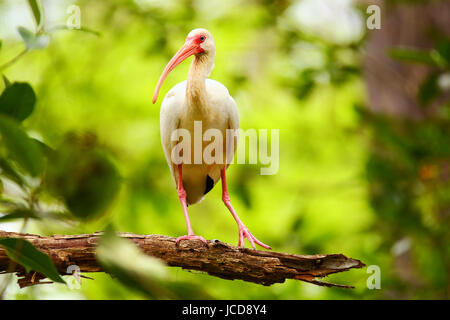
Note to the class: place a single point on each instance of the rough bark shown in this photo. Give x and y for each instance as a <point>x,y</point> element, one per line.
<point>217,259</point>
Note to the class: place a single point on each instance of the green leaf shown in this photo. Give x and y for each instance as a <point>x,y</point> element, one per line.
<point>7,204</point>
<point>20,147</point>
<point>33,41</point>
<point>429,89</point>
<point>9,172</point>
<point>18,100</point>
<point>1,44</point>
<point>34,5</point>
<point>6,82</point>
<point>27,36</point>
<point>89,30</point>
<point>24,253</point>
<point>82,29</point>
<point>443,48</point>
<point>411,55</point>
<point>17,214</point>
<point>84,176</point>
<point>46,149</point>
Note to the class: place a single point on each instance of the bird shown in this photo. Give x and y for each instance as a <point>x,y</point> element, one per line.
<point>199,99</point>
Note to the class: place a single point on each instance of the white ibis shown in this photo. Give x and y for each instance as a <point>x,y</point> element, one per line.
<point>208,101</point>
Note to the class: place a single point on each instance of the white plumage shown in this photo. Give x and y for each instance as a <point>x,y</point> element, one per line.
<point>222,115</point>
<point>207,101</point>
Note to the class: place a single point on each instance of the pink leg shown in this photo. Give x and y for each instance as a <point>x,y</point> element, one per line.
<point>182,197</point>
<point>243,230</point>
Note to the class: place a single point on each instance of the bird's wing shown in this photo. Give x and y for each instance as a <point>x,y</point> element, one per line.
<point>228,111</point>
<point>170,115</point>
<point>233,124</point>
<point>221,99</point>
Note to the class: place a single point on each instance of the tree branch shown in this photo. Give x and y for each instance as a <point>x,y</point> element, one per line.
<point>219,259</point>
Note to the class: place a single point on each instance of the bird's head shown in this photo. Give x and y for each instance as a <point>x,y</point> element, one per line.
<point>202,40</point>
<point>199,42</point>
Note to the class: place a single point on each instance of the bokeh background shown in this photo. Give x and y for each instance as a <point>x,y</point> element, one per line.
<point>364,120</point>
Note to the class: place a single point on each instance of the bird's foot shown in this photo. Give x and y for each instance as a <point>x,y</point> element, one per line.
<point>245,233</point>
<point>191,237</point>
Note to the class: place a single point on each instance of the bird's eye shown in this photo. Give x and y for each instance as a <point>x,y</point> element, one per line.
<point>202,38</point>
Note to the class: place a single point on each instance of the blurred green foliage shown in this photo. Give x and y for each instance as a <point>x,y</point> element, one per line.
<point>87,151</point>
<point>408,171</point>
<point>83,175</point>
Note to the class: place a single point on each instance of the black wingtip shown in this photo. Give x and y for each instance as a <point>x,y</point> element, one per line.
<point>209,184</point>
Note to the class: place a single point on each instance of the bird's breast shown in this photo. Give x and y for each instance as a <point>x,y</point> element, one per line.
<point>206,124</point>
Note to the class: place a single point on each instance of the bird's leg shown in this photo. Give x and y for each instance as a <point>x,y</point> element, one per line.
<point>182,197</point>
<point>243,230</point>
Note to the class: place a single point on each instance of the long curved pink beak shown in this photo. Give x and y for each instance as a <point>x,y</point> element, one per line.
<point>189,48</point>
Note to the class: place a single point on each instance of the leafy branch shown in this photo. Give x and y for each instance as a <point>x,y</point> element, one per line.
<point>41,37</point>
<point>437,59</point>
<point>35,169</point>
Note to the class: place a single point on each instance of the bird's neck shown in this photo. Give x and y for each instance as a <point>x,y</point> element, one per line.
<point>196,96</point>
